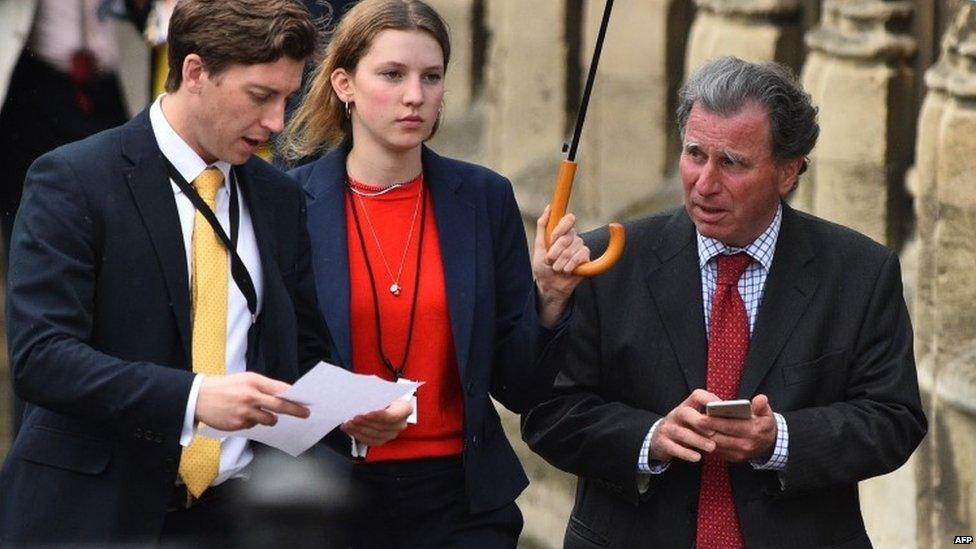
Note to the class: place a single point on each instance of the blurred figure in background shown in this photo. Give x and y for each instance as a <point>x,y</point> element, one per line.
<point>58,84</point>
<point>58,81</point>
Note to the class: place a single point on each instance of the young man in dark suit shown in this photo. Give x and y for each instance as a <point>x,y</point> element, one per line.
<point>160,277</point>
<point>735,296</point>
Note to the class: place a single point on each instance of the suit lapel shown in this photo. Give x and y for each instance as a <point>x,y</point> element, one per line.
<point>676,288</point>
<point>455,218</point>
<point>153,194</point>
<point>791,283</point>
<point>256,198</point>
<point>325,188</point>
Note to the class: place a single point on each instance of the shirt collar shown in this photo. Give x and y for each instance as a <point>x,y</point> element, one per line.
<point>186,161</point>
<point>761,249</point>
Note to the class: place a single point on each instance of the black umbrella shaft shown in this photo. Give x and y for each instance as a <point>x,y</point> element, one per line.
<point>588,89</point>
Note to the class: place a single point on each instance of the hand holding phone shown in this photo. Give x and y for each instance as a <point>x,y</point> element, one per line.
<point>734,409</point>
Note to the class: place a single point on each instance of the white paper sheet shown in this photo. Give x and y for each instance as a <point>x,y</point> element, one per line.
<point>333,395</point>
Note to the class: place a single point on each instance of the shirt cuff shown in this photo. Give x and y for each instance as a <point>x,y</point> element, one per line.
<point>777,461</point>
<point>359,449</point>
<point>645,464</point>
<point>189,425</point>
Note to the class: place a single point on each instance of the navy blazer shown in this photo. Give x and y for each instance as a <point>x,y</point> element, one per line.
<point>98,319</point>
<point>831,348</point>
<point>490,295</point>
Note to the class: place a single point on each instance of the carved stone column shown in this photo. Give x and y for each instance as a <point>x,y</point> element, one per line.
<point>458,14</point>
<point>526,95</point>
<point>945,189</point>
<point>860,76</point>
<point>755,30</point>
<point>629,142</point>
<point>922,185</point>
<point>460,135</point>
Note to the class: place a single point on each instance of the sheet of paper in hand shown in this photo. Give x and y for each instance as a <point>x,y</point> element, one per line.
<point>333,395</point>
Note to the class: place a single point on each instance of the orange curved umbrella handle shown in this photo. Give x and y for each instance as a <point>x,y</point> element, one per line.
<point>560,201</point>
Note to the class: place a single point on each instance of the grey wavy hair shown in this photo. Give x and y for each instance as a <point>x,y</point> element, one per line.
<point>727,84</point>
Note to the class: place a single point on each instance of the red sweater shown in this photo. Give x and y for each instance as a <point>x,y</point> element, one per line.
<point>440,411</point>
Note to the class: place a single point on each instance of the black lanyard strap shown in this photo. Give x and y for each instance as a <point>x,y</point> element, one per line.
<point>237,269</point>
<point>397,371</point>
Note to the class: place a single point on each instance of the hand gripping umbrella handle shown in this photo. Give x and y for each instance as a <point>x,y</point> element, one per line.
<point>567,171</point>
<point>560,200</point>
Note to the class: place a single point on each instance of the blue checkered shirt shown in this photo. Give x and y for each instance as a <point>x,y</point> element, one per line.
<point>751,286</point>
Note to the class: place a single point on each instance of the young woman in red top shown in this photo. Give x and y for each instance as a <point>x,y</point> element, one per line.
<point>423,273</point>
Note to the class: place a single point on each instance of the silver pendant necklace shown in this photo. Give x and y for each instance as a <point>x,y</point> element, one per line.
<point>395,287</point>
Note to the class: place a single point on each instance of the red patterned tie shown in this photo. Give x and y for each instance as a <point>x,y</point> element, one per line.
<point>728,343</point>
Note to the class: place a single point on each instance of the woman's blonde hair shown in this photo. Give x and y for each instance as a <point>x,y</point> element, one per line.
<point>320,122</point>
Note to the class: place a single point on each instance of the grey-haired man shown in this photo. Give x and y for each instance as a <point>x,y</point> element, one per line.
<point>735,296</point>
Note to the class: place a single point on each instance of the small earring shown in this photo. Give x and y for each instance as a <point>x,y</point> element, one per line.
<point>348,110</point>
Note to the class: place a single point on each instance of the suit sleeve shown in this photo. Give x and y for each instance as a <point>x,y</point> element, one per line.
<point>880,423</point>
<point>519,378</point>
<point>577,429</point>
<point>53,268</point>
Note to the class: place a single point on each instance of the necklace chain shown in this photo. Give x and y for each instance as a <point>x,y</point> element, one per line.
<point>381,192</point>
<point>395,287</point>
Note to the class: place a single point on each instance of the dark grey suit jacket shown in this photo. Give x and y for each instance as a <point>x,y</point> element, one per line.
<point>98,319</point>
<point>831,348</point>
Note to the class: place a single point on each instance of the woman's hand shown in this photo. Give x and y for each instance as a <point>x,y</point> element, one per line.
<point>379,426</point>
<point>553,268</point>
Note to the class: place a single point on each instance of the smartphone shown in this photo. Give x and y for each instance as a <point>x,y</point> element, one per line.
<point>736,409</point>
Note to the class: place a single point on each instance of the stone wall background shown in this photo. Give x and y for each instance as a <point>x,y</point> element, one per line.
<point>895,81</point>
<point>896,85</point>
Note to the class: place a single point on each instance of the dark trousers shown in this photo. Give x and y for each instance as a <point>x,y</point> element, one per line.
<point>209,522</point>
<point>421,503</point>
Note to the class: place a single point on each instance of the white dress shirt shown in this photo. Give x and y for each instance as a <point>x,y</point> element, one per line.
<point>234,452</point>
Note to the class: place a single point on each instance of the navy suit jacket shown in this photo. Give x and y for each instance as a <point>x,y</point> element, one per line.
<point>490,294</point>
<point>98,319</point>
<point>831,348</point>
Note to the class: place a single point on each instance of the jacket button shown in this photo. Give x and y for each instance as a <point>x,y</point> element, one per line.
<point>138,433</point>
<point>474,440</point>
<point>470,388</point>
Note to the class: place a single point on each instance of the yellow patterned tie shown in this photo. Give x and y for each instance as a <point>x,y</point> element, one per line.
<point>201,459</point>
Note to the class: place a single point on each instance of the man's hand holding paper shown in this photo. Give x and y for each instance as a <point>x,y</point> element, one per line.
<point>369,408</point>
<point>241,401</point>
